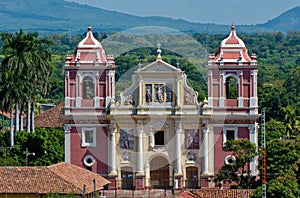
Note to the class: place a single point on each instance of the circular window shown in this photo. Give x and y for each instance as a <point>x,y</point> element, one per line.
<point>229,159</point>
<point>88,160</point>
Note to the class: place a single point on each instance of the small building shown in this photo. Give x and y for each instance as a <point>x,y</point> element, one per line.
<point>39,181</point>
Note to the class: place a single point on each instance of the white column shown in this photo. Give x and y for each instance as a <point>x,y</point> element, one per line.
<point>253,139</point>
<point>178,95</point>
<point>140,92</point>
<point>151,139</point>
<point>210,89</point>
<point>147,169</point>
<point>67,90</point>
<point>67,129</point>
<point>78,94</point>
<point>211,151</point>
<point>205,151</point>
<point>178,149</point>
<point>221,92</point>
<point>96,91</point>
<point>253,83</point>
<point>108,89</point>
<point>112,150</point>
<point>139,168</point>
<point>240,89</point>
<point>113,84</point>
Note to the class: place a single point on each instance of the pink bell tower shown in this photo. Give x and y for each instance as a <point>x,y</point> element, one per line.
<point>232,102</point>
<point>89,89</point>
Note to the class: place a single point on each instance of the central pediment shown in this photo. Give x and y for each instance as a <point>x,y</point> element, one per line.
<point>159,66</point>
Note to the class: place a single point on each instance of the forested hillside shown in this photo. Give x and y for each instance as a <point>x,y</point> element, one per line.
<point>58,16</point>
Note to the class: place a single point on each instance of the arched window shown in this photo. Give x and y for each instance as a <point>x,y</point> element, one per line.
<point>231,88</point>
<point>88,88</point>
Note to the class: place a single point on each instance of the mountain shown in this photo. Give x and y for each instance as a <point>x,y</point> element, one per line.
<point>289,20</point>
<point>68,17</point>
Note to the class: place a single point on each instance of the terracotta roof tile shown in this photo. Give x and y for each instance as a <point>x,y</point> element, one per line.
<point>228,193</point>
<point>50,118</point>
<point>62,178</point>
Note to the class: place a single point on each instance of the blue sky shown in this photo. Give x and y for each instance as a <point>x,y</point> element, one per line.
<point>216,11</point>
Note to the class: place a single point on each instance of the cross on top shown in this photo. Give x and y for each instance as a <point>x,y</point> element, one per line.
<point>158,45</point>
<point>158,51</point>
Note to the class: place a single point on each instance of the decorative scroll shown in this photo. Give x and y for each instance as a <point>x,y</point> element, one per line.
<point>189,97</point>
<point>191,156</point>
<point>126,156</point>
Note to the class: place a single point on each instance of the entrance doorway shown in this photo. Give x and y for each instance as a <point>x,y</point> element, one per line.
<point>160,173</point>
<point>191,177</point>
<point>127,178</point>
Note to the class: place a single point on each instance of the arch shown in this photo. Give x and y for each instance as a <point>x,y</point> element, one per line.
<point>154,155</point>
<point>159,172</point>
<point>231,86</point>
<point>88,88</point>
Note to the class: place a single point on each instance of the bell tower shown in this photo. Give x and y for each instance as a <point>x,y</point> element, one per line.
<point>232,79</point>
<point>89,89</point>
<point>232,100</point>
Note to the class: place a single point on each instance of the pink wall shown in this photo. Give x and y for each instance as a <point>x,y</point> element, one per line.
<point>100,152</point>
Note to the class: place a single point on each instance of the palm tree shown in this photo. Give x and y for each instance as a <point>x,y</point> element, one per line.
<point>26,56</point>
<point>9,86</point>
<point>291,120</point>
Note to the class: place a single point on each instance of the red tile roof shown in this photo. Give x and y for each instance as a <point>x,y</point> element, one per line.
<point>229,193</point>
<point>50,118</point>
<point>61,178</point>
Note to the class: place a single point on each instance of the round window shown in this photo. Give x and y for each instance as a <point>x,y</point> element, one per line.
<point>88,160</point>
<point>229,159</point>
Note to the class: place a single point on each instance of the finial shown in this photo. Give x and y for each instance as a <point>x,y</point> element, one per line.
<point>177,64</point>
<point>158,52</point>
<point>89,28</point>
<point>232,27</point>
<point>140,65</point>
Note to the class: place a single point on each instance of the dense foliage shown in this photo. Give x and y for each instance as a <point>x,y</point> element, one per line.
<point>46,144</point>
<point>235,173</point>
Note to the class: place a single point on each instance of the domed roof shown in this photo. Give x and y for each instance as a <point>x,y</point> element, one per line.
<point>232,40</point>
<point>89,51</point>
<point>232,51</point>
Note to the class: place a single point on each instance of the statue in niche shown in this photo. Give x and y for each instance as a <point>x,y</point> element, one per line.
<point>192,138</point>
<point>126,139</point>
<point>129,100</point>
<point>148,96</point>
<point>169,97</point>
<point>159,93</point>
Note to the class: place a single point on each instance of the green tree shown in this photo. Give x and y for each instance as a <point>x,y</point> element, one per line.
<point>281,157</point>
<point>26,58</point>
<point>291,121</point>
<point>47,144</point>
<point>236,173</point>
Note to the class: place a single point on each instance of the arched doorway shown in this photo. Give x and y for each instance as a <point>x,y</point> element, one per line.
<point>191,177</point>
<point>160,173</point>
<point>126,178</point>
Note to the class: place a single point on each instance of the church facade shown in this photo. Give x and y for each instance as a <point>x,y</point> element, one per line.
<point>158,134</point>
